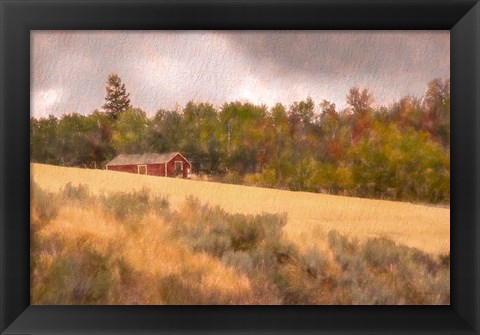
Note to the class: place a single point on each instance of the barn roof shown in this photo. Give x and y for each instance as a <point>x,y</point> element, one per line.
<point>146,158</point>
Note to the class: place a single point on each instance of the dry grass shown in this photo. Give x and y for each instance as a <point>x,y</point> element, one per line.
<point>81,251</point>
<point>310,216</point>
<point>134,248</point>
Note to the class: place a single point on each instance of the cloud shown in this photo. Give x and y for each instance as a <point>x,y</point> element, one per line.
<point>45,102</point>
<point>163,68</point>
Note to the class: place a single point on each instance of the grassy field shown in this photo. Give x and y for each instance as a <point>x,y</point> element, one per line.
<point>100,237</point>
<point>310,216</point>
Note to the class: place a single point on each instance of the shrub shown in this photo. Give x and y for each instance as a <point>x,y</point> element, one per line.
<point>76,193</point>
<point>232,178</point>
<point>134,205</point>
<point>240,260</point>
<point>445,260</point>
<point>375,271</point>
<point>160,205</point>
<point>215,243</point>
<point>253,179</point>
<point>76,277</point>
<point>379,271</point>
<point>45,205</point>
<point>245,232</point>
<point>315,261</point>
<point>269,178</point>
<point>340,243</point>
<point>381,253</point>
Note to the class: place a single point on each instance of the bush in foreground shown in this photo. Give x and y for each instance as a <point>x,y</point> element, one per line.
<point>198,254</point>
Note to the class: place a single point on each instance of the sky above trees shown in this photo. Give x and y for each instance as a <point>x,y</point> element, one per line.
<point>162,70</point>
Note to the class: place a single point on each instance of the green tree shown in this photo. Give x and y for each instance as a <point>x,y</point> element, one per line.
<point>302,112</point>
<point>99,138</point>
<point>117,99</point>
<point>130,131</point>
<point>242,125</point>
<point>164,131</point>
<point>44,140</point>
<point>395,165</point>
<point>202,137</point>
<point>78,140</point>
<point>280,155</point>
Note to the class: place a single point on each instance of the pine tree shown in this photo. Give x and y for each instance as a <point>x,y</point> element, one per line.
<point>116,100</point>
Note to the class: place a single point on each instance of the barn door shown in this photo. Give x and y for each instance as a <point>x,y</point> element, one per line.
<point>142,169</point>
<point>179,168</point>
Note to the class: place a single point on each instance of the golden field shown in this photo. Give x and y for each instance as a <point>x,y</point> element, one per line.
<point>310,216</point>
<point>102,237</point>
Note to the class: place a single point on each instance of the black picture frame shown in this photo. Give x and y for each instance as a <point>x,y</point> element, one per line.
<point>18,17</point>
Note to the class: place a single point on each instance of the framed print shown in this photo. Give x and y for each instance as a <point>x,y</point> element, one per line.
<point>223,166</point>
<point>344,190</point>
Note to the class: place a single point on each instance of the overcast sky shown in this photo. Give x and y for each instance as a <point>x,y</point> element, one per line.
<point>163,69</point>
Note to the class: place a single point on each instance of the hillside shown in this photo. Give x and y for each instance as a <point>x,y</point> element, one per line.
<point>310,216</point>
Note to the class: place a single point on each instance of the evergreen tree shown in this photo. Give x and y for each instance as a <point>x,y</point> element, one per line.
<point>116,100</point>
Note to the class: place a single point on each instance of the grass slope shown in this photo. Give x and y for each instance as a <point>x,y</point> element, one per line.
<point>310,216</point>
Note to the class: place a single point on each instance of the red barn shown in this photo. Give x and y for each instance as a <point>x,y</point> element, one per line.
<point>171,164</point>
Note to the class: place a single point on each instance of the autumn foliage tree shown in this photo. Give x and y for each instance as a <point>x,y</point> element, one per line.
<point>398,152</point>
<point>436,103</point>
<point>360,102</point>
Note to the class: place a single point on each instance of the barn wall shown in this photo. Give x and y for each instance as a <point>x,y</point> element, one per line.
<point>156,169</point>
<point>123,168</point>
<point>186,166</point>
<point>171,166</point>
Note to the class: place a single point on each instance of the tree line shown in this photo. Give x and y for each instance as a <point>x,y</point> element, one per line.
<point>397,152</point>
